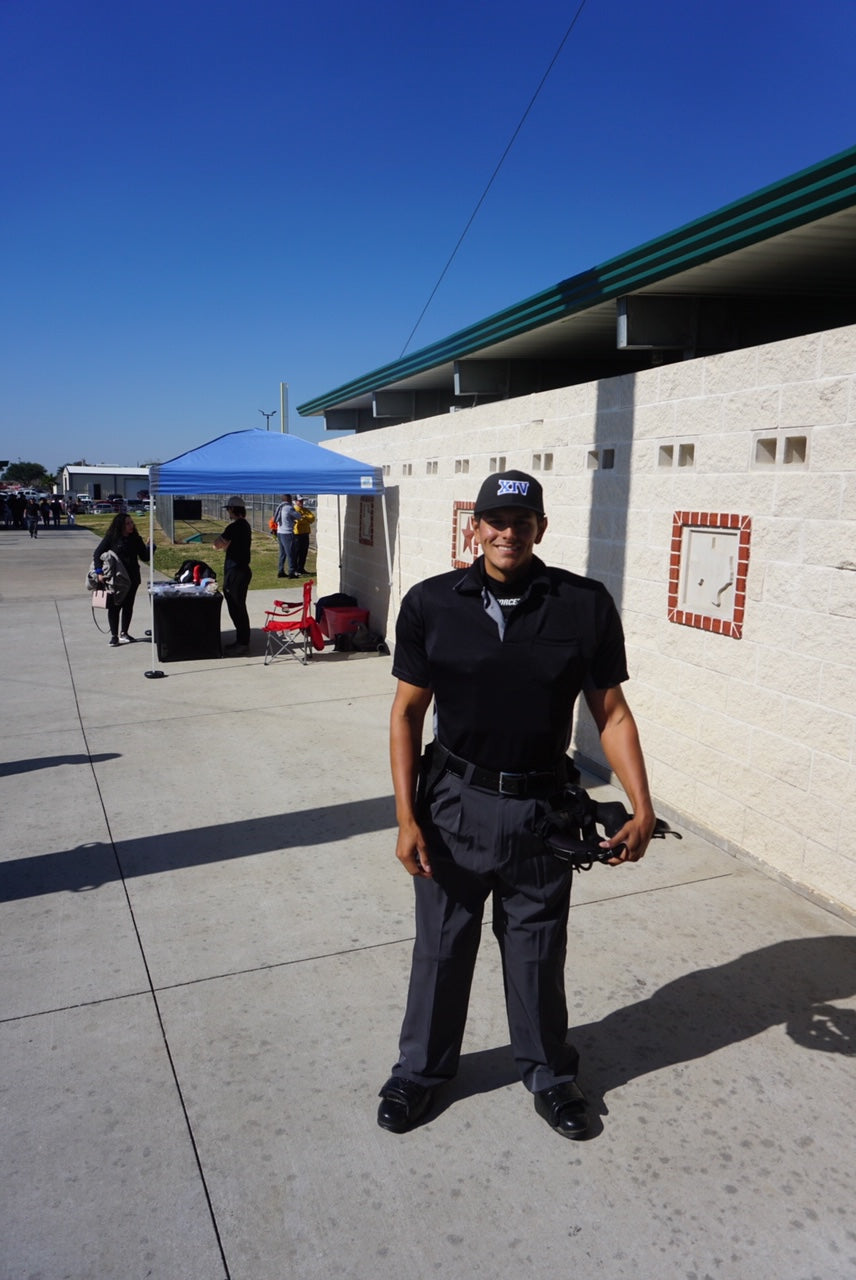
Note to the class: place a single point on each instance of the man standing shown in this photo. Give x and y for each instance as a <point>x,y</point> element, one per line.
<point>32,512</point>
<point>503,649</point>
<point>236,540</point>
<point>286,517</point>
<point>302,529</point>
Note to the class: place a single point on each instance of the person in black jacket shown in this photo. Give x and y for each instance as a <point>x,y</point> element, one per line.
<point>236,540</point>
<point>122,538</point>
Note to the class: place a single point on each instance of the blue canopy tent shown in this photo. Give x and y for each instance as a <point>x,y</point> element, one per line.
<point>259,461</point>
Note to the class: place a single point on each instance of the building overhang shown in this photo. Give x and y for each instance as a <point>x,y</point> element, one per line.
<point>773,265</point>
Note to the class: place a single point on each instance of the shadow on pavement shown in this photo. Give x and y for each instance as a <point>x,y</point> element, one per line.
<point>91,865</point>
<point>789,983</point>
<point>11,767</point>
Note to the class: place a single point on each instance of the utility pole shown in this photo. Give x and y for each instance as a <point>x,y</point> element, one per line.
<point>283,405</point>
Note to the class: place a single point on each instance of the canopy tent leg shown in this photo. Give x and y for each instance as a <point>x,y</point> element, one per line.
<point>153,674</point>
<point>386,539</point>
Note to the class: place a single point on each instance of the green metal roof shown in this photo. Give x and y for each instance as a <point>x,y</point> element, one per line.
<point>804,198</point>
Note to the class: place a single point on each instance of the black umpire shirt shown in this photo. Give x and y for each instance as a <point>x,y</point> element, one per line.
<point>505,689</point>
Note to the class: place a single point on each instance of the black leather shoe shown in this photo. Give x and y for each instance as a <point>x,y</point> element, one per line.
<point>403,1103</point>
<point>563,1106</point>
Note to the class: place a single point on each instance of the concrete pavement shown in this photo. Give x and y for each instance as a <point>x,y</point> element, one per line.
<point>205,942</point>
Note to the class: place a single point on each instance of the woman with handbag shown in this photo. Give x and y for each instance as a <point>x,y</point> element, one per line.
<point>123,539</point>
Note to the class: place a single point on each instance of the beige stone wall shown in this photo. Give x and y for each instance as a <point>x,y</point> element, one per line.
<point>751,740</point>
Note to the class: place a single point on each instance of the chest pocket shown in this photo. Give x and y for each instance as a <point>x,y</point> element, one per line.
<point>556,661</point>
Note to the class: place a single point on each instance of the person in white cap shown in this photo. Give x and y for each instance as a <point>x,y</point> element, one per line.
<point>302,529</point>
<point>286,519</point>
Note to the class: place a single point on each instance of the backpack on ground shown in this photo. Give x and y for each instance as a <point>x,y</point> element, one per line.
<point>361,640</point>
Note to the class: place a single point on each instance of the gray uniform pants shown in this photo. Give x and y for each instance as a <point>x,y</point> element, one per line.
<point>481,843</point>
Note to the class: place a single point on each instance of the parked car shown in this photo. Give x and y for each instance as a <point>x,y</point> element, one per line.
<point>103,509</point>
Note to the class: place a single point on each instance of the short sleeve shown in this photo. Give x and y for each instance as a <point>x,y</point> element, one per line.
<point>410,662</point>
<point>608,665</point>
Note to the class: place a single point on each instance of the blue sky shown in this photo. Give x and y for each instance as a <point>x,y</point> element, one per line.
<point>205,198</point>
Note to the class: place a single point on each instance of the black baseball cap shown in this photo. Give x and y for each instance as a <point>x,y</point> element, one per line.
<point>233,503</point>
<point>510,489</point>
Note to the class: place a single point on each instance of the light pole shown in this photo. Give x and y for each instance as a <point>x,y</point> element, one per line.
<point>267,416</point>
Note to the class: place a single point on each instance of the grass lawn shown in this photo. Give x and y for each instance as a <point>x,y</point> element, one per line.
<point>169,555</point>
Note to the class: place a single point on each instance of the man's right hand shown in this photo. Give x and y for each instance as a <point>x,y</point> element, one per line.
<point>411,850</point>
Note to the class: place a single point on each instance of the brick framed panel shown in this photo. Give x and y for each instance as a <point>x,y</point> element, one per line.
<point>730,623</point>
<point>464,549</point>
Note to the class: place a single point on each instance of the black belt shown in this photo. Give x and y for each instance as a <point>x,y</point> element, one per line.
<point>504,784</point>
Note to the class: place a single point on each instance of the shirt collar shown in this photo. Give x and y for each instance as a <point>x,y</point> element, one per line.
<point>473,580</point>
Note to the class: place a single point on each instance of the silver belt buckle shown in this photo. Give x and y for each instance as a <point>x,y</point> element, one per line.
<point>512,784</point>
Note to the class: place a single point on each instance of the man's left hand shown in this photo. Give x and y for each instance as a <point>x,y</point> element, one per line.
<point>632,840</point>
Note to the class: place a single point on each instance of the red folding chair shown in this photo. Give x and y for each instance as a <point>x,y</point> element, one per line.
<point>291,630</point>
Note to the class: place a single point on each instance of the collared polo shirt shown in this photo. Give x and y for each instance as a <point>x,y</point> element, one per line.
<point>505,689</point>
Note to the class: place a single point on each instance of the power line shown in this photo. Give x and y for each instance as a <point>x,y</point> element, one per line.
<point>499,165</point>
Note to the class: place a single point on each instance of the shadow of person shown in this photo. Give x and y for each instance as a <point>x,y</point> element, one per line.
<point>825,1027</point>
<point>485,1071</point>
<point>480,1072</point>
<point>789,983</point>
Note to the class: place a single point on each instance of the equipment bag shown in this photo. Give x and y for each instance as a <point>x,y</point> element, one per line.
<point>187,571</point>
<point>339,600</point>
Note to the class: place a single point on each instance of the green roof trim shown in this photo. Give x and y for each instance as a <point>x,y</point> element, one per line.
<point>813,193</point>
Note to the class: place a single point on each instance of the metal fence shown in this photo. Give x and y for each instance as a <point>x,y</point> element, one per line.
<point>260,507</point>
